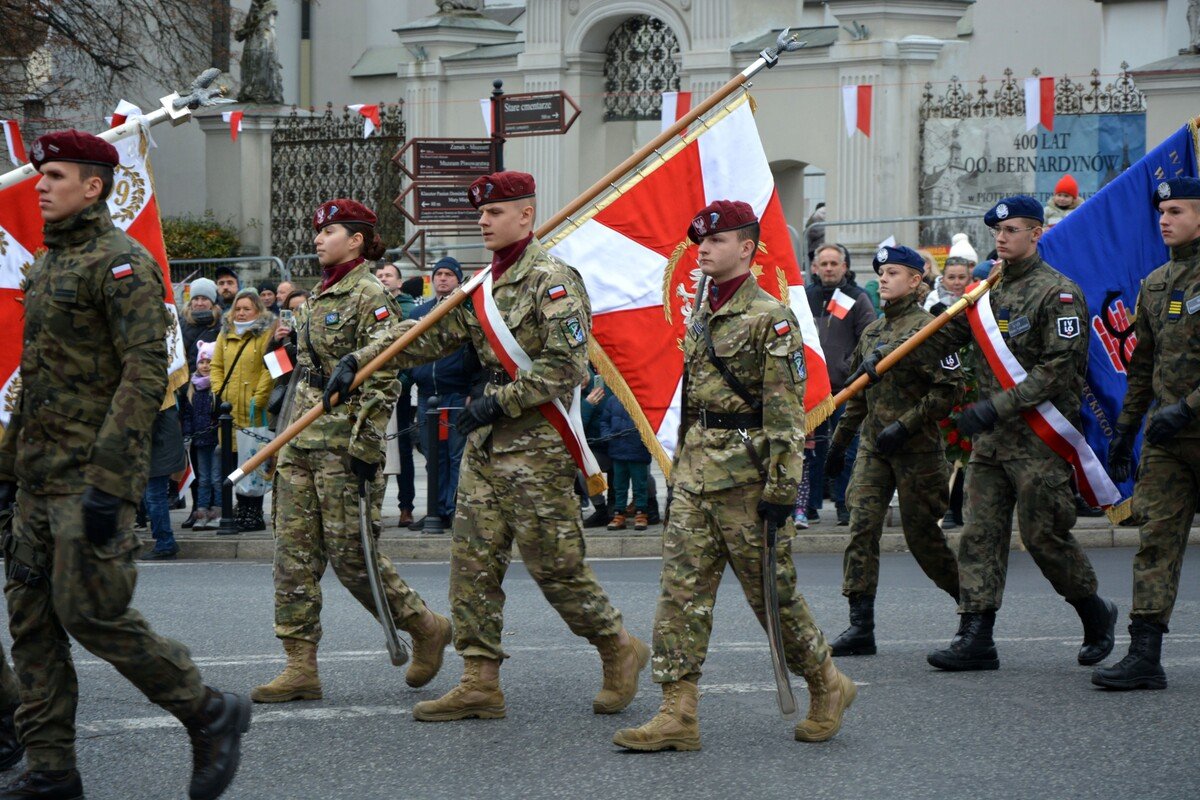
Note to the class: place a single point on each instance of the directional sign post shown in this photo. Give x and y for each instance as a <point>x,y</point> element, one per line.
<point>441,203</point>
<point>447,158</point>
<point>536,114</point>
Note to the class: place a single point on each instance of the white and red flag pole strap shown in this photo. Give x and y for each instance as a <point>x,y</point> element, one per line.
<point>370,114</point>
<point>513,357</point>
<point>1047,421</point>
<point>1039,103</point>
<point>12,138</point>
<point>856,108</point>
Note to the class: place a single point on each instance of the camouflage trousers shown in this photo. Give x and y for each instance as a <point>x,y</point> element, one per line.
<point>10,693</point>
<point>58,583</point>
<point>706,532</point>
<point>922,480</point>
<point>316,523</point>
<point>1167,488</point>
<point>1040,489</point>
<point>528,497</point>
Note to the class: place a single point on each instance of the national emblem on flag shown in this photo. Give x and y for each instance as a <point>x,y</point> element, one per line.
<point>122,270</point>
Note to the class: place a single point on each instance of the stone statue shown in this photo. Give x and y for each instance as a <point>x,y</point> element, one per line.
<point>1193,18</point>
<point>262,75</point>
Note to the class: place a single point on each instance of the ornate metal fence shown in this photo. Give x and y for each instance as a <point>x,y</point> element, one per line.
<point>1008,100</point>
<point>640,63</point>
<point>315,158</point>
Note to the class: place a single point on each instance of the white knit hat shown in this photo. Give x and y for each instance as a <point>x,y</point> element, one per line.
<point>960,247</point>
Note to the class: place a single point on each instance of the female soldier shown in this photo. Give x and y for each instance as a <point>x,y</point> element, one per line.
<point>900,449</point>
<point>239,377</point>
<point>348,321</point>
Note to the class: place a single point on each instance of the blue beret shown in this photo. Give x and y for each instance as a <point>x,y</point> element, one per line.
<point>1020,205</point>
<point>1176,189</point>
<point>904,256</point>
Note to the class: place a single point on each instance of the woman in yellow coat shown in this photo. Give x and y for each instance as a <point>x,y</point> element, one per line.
<point>240,378</point>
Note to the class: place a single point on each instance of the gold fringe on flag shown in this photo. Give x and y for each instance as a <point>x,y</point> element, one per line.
<point>616,381</point>
<point>819,413</point>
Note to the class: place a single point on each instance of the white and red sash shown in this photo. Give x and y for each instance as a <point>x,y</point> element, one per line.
<point>1046,420</point>
<point>513,358</point>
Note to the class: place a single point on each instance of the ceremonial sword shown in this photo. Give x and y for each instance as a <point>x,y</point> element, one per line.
<point>395,647</point>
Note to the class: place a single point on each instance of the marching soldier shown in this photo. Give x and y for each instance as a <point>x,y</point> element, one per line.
<point>11,749</point>
<point>740,458</point>
<point>517,475</point>
<point>1165,370</point>
<point>901,449</point>
<point>348,321</point>
<point>94,369</point>
<point>1041,317</point>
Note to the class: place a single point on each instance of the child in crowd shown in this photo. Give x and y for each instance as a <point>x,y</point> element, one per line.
<point>631,464</point>
<point>199,426</point>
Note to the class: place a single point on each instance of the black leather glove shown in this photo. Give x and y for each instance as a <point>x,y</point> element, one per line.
<point>867,367</point>
<point>835,460</point>
<point>778,514</point>
<point>362,470</point>
<point>1120,454</point>
<point>478,413</point>
<point>978,418</point>
<point>8,495</point>
<point>891,438</point>
<point>339,382</point>
<point>100,511</point>
<point>1169,421</point>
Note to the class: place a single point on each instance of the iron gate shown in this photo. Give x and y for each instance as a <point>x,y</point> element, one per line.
<point>316,158</point>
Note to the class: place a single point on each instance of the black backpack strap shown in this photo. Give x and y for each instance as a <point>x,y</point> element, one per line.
<point>731,380</point>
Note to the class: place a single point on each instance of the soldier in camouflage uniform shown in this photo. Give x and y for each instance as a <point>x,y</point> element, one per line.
<point>1042,316</point>
<point>346,323</point>
<point>517,477</point>
<point>1165,371</point>
<point>901,449</point>
<point>740,458</point>
<point>94,371</point>
<point>11,748</point>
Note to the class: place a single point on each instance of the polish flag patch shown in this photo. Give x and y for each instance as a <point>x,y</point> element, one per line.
<point>122,271</point>
<point>557,292</point>
<point>278,363</point>
<point>782,328</point>
<point>382,313</point>
<point>1066,298</point>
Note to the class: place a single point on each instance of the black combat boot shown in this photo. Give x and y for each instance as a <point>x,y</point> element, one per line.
<point>253,519</point>
<point>859,638</point>
<point>58,785</point>
<point>1099,617</point>
<point>11,748</point>
<point>1142,668</point>
<point>216,734</point>
<point>972,647</point>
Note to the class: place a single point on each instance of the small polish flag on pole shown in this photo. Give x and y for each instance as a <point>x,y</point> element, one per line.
<point>856,105</point>
<point>188,476</point>
<point>234,118</point>
<point>840,304</point>
<point>370,115</point>
<point>674,106</point>
<point>278,363</point>
<point>1039,103</point>
<point>12,138</point>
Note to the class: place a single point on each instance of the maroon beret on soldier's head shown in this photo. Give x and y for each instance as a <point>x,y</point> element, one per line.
<point>501,186</point>
<point>719,216</point>
<point>72,145</point>
<point>343,210</point>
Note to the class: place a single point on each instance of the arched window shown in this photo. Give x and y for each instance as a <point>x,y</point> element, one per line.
<point>639,65</point>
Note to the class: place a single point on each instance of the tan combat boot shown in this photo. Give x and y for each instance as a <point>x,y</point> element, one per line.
<point>674,727</point>
<point>299,679</point>
<point>622,664</point>
<point>830,694</point>
<point>430,635</point>
<point>476,695</point>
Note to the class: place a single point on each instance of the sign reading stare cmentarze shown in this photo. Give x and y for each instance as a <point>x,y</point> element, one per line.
<point>536,114</point>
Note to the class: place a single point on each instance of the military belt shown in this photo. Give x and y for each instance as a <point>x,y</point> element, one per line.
<point>317,380</point>
<point>729,422</point>
<point>498,377</point>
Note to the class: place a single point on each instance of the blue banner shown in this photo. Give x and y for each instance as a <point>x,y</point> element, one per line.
<point>1107,246</point>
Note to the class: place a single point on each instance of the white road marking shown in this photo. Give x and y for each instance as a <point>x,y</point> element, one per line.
<point>109,727</point>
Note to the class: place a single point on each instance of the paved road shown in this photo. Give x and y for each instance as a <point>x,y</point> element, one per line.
<point>1035,729</point>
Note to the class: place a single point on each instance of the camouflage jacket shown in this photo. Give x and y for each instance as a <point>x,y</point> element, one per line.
<point>1043,317</point>
<point>94,365</point>
<point>919,391</point>
<point>355,315</point>
<point>758,338</point>
<point>545,305</point>
<point>1165,366</point>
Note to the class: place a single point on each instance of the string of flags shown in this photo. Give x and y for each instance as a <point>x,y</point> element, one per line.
<point>12,138</point>
<point>856,105</point>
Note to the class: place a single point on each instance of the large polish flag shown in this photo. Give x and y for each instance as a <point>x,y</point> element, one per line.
<point>134,209</point>
<point>623,245</point>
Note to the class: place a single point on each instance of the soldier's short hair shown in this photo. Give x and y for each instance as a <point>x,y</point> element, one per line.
<point>750,232</point>
<point>101,171</point>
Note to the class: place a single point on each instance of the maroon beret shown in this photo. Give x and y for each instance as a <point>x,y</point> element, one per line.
<point>720,216</point>
<point>73,145</point>
<point>343,210</point>
<point>501,186</point>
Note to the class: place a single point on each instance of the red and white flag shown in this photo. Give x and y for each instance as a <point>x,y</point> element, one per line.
<point>12,138</point>
<point>278,363</point>
<point>189,476</point>
<point>1039,103</point>
<point>623,248</point>
<point>234,119</point>
<point>134,209</point>
<point>856,108</point>
<point>840,304</point>
<point>122,113</point>
<point>674,106</point>
<point>370,115</point>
